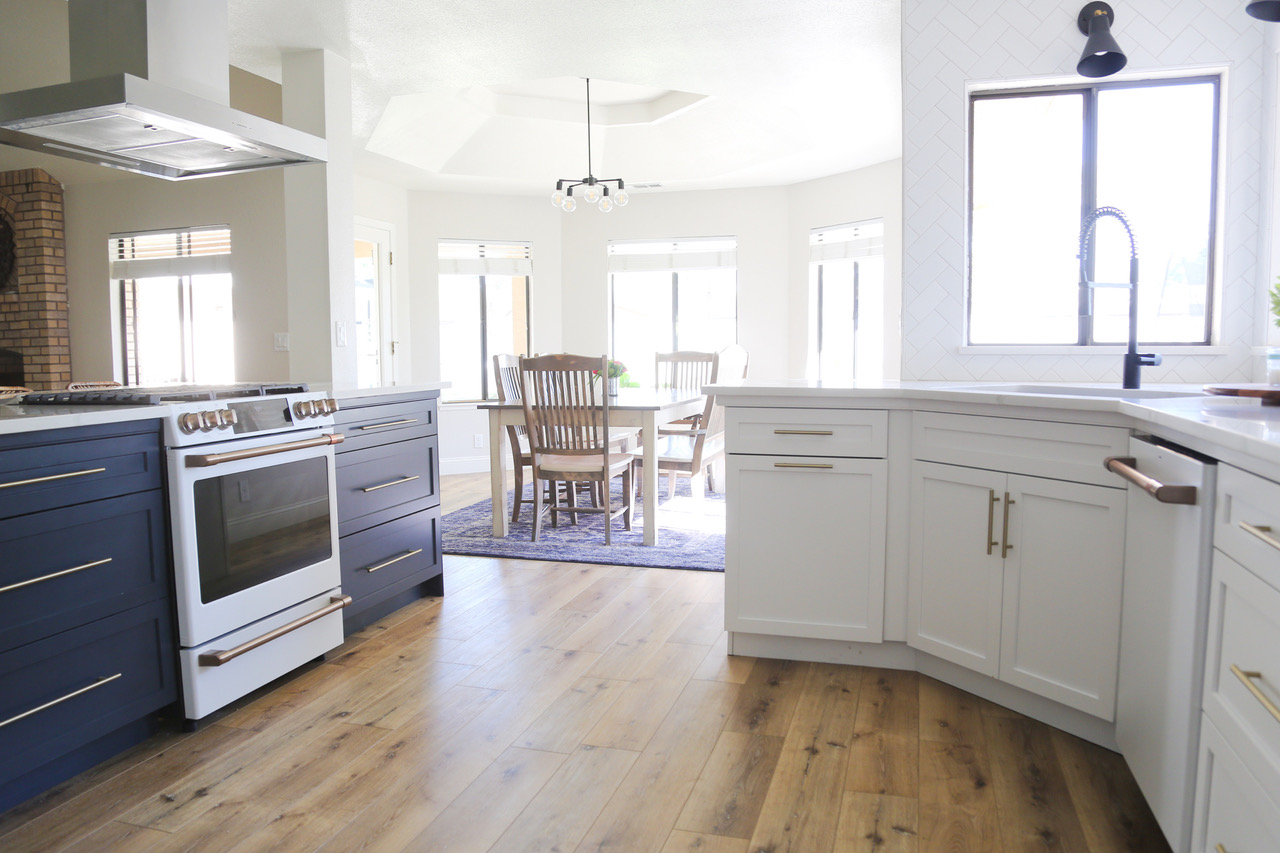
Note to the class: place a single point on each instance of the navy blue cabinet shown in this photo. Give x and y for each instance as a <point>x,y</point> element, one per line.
<point>388,481</point>
<point>86,633</point>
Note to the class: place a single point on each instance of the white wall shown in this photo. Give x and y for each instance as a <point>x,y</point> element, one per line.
<point>947,45</point>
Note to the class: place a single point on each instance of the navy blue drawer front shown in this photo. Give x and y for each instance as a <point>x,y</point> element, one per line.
<point>407,549</point>
<point>389,475</point>
<point>65,567</point>
<point>368,425</point>
<point>49,473</point>
<point>68,690</point>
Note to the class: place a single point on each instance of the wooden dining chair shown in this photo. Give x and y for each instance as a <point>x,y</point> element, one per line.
<point>690,453</point>
<point>685,370</point>
<point>734,360</point>
<point>566,411</point>
<point>506,369</point>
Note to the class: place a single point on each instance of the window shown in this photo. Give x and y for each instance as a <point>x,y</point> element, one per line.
<point>846,290</point>
<point>175,306</point>
<point>672,295</point>
<point>484,310</point>
<point>1041,160</point>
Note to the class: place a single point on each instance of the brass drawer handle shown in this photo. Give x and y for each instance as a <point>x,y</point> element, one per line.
<point>1262,531</point>
<point>991,519</point>
<point>1218,848</point>
<point>823,465</point>
<point>218,658</point>
<point>50,478</point>
<point>53,575</point>
<point>209,459</point>
<point>391,424</point>
<point>1006,547</point>
<point>1246,677</point>
<point>803,432</point>
<point>404,556</point>
<point>73,694</point>
<point>392,483</point>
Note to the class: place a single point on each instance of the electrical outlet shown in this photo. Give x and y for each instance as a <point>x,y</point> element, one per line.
<point>282,341</point>
<point>340,333</point>
<point>478,439</point>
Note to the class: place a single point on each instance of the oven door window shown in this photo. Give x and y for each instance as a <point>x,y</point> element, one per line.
<point>260,524</point>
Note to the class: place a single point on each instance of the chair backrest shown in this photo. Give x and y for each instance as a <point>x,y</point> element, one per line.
<point>506,368</point>
<point>733,363</point>
<point>686,370</point>
<point>566,404</point>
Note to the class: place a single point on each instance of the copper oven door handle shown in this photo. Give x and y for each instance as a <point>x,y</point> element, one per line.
<point>1123,466</point>
<point>210,459</point>
<point>218,658</point>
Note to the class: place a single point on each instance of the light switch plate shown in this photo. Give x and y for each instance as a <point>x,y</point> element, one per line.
<point>339,333</point>
<point>282,341</point>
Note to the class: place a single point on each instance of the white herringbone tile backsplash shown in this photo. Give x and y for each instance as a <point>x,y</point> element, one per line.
<point>947,45</point>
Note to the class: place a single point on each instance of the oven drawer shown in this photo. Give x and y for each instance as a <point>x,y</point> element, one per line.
<point>65,567</point>
<point>91,463</point>
<point>389,475</point>
<point>369,425</point>
<point>72,688</point>
<point>407,549</point>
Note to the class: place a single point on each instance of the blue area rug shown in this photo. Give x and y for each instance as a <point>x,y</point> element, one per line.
<point>690,534</point>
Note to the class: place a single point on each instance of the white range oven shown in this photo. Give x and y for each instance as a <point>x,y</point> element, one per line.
<point>253,517</point>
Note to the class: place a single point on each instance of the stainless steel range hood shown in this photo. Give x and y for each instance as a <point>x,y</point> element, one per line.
<point>116,112</point>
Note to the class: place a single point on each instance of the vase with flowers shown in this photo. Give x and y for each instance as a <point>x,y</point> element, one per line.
<point>614,377</point>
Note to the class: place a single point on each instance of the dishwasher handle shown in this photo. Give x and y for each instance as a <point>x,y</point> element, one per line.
<point>1124,467</point>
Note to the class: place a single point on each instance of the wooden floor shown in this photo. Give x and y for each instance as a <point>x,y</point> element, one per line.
<point>562,707</point>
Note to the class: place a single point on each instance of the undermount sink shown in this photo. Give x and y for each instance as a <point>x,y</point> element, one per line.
<point>1110,391</point>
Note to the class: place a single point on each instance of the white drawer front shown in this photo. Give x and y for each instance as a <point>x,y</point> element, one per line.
<point>807,432</point>
<point>1247,525</point>
<point>1072,452</point>
<point>1232,808</point>
<point>1244,657</point>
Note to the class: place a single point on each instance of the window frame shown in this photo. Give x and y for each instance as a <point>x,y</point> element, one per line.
<point>1085,338</point>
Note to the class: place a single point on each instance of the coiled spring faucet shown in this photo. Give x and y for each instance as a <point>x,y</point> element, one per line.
<point>1133,360</point>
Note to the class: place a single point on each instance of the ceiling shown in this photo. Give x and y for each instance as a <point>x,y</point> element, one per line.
<point>487,95</point>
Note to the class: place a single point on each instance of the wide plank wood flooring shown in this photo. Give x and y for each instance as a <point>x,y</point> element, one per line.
<point>563,707</point>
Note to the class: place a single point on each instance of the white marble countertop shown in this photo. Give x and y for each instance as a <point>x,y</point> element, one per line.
<point>1237,430</point>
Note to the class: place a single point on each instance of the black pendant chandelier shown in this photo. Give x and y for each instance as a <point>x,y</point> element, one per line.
<point>597,189</point>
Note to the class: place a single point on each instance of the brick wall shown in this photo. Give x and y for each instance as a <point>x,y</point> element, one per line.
<point>33,319</point>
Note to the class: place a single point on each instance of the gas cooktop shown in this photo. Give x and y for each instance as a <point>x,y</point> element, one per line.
<point>131,395</point>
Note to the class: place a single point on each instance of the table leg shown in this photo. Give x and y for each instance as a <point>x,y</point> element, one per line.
<point>498,473</point>
<point>650,451</point>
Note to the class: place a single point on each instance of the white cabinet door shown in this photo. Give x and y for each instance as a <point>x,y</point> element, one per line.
<point>804,547</point>
<point>955,577</point>
<point>1063,577</point>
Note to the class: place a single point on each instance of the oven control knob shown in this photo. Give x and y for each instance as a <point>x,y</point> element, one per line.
<point>304,409</point>
<point>189,422</point>
<point>227,418</point>
<point>331,406</point>
<point>208,421</point>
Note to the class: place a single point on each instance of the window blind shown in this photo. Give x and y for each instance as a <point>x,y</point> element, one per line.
<point>473,257</point>
<point>161,254</point>
<point>670,255</point>
<point>851,240</point>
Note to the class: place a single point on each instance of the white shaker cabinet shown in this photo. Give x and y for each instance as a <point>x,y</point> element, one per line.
<point>805,526</point>
<point>1019,577</point>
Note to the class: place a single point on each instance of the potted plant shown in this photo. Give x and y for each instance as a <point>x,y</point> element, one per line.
<point>617,370</point>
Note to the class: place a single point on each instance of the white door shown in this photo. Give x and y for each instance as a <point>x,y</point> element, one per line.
<point>373,333</point>
<point>805,539</point>
<point>1063,578</point>
<point>955,580</point>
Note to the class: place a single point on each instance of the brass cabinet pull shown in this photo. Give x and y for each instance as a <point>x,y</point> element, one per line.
<point>1123,466</point>
<point>391,424</point>
<point>1006,547</point>
<point>1218,848</point>
<point>1262,531</point>
<point>1246,678</point>
<point>50,478</point>
<point>210,459</point>
<point>803,432</point>
<point>392,483</point>
<point>53,575</point>
<point>73,694</point>
<point>404,556</point>
<point>218,658</point>
<point>803,465</point>
<point>991,519</point>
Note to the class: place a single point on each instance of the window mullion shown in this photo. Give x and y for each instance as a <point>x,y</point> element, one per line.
<point>1088,201</point>
<point>675,311</point>
<point>484,339</point>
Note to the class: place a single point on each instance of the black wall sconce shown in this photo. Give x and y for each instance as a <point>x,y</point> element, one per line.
<point>1264,10</point>
<point>1102,56</point>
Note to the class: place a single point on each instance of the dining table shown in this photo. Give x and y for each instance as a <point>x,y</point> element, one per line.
<point>644,408</point>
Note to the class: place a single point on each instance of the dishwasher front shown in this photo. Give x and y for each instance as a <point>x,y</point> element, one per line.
<point>1168,544</point>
